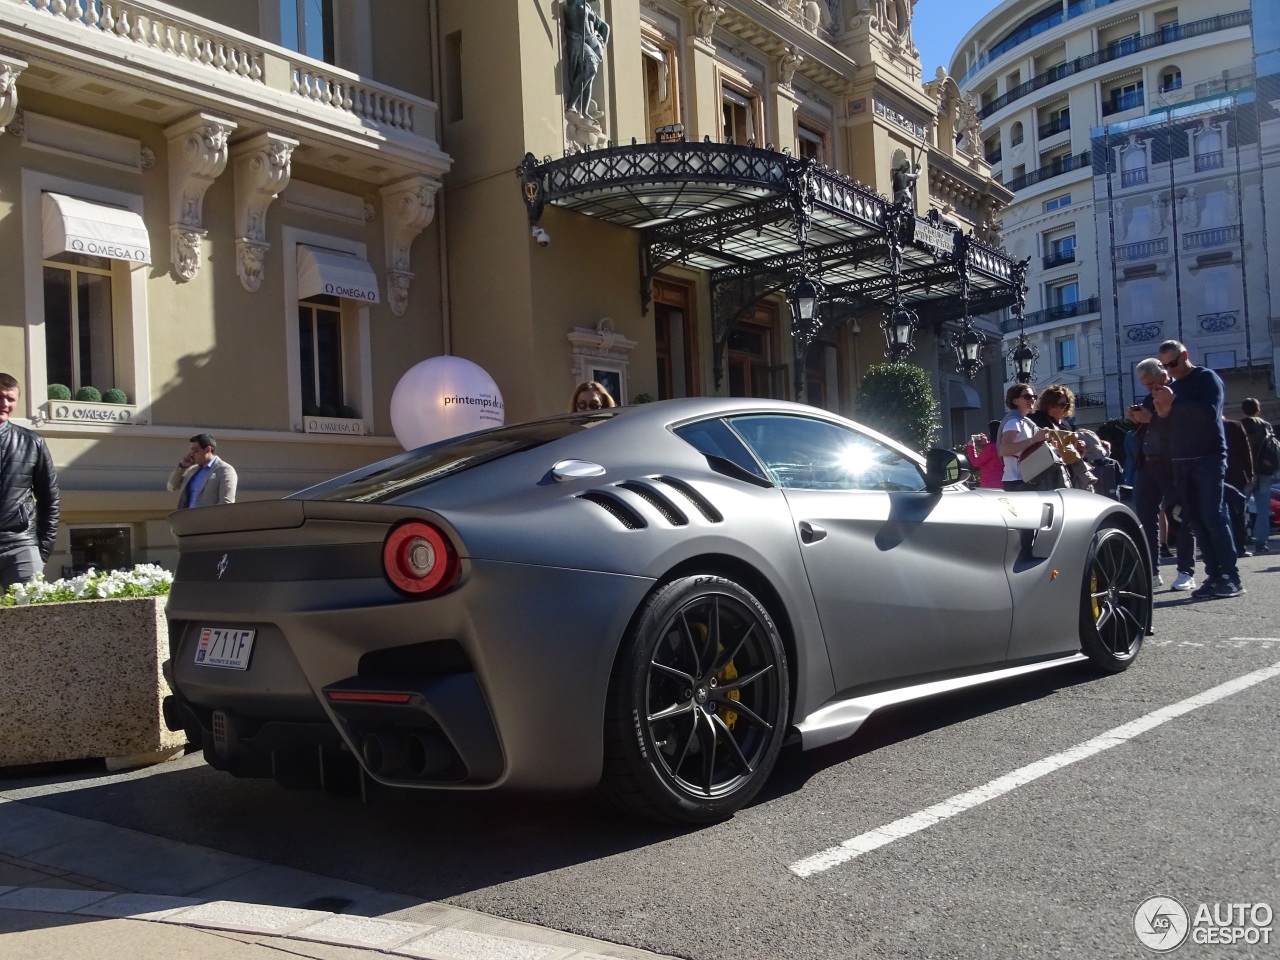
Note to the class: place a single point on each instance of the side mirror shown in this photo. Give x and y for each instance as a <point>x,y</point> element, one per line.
<point>944,468</point>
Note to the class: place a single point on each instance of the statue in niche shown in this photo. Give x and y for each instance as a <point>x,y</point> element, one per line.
<point>586,35</point>
<point>904,183</point>
<point>1121,220</point>
<point>1191,207</point>
<point>1157,214</point>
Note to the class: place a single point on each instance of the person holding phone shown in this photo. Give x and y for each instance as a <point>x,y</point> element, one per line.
<point>202,478</point>
<point>985,458</point>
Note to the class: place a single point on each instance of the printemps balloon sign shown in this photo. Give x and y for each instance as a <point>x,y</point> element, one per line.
<point>444,397</point>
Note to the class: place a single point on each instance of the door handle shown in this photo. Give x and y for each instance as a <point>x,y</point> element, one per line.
<point>811,532</point>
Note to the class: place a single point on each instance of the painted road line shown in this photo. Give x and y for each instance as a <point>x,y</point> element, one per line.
<point>874,839</point>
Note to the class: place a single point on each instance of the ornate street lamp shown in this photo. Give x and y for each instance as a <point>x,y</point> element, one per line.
<point>1023,354</point>
<point>968,344</point>
<point>805,300</point>
<point>900,331</point>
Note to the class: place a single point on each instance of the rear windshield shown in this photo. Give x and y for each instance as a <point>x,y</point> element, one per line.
<point>395,477</point>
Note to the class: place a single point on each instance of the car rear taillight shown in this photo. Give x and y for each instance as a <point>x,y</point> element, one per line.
<point>418,558</point>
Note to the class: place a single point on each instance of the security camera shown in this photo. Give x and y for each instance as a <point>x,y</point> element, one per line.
<point>541,236</point>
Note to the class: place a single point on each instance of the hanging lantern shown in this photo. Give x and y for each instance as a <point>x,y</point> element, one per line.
<point>804,298</point>
<point>900,331</point>
<point>968,344</point>
<point>1023,356</point>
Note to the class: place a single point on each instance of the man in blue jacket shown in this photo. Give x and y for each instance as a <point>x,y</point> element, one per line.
<point>29,496</point>
<point>1198,448</point>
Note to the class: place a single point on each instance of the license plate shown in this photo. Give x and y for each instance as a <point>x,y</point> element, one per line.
<point>225,647</point>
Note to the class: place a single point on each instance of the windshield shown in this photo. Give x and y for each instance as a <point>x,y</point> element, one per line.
<point>409,471</point>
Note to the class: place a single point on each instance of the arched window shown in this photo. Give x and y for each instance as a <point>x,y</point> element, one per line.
<point>1015,133</point>
<point>1133,166</point>
<point>1209,150</point>
<point>1170,79</point>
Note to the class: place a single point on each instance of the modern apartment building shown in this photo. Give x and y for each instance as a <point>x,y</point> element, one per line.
<point>1047,79</point>
<point>251,217</point>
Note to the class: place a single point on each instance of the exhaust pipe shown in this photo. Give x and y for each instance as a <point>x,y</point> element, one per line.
<point>384,753</point>
<point>427,754</point>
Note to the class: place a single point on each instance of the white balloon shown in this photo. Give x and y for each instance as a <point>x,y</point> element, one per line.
<point>444,397</point>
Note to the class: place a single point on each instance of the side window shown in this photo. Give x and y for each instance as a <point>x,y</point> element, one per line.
<point>712,438</point>
<point>804,454</point>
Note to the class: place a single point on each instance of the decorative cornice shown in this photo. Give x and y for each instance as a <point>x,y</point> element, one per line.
<point>10,68</point>
<point>408,206</point>
<point>706,14</point>
<point>197,155</point>
<point>261,171</point>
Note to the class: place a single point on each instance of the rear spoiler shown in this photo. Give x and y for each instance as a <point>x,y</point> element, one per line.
<point>282,515</point>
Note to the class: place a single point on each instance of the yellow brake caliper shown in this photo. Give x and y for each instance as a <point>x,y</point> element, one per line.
<point>730,672</point>
<point>1093,595</point>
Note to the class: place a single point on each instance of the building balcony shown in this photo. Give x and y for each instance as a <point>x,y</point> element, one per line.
<point>1143,250</point>
<point>1133,178</point>
<point>994,156</point>
<point>150,60</point>
<point>1208,161</point>
<point>1119,103</point>
<point>1063,311</point>
<point>1059,258</point>
<point>1054,169</point>
<point>1216,237</point>
<point>1219,322</point>
<point>1142,332</point>
<point>1029,33</point>
<point>1227,21</point>
<point>1056,125</point>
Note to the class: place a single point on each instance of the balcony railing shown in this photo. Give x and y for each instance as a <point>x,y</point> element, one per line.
<point>994,156</point>
<point>1143,250</point>
<point>1142,332</point>
<point>1022,36</point>
<point>1219,322</point>
<point>161,43</point>
<point>1058,257</point>
<point>1056,125</point>
<point>1118,103</point>
<point>1056,168</point>
<point>1227,21</point>
<point>1131,178</point>
<point>1209,161</point>
<point>1216,237</point>
<point>1091,399</point>
<point>1063,311</point>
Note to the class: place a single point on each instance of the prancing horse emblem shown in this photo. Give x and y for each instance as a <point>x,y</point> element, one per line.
<point>222,566</point>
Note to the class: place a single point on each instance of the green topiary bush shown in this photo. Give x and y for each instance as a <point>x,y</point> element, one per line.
<point>88,395</point>
<point>115,395</point>
<point>898,400</point>
<point>349,412</point>
<point>59,391</point>
<point>310,410</point>
<point>327,410</point>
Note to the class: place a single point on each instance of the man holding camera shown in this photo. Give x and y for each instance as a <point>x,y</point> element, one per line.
<point>203,477</point>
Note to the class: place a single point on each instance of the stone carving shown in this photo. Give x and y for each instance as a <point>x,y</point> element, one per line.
<point>146,158</point>
<point>197,156</point>
<point>904,183</point>
<point>787,63</point>
<point>706,15</point>
<point>262,171</point>
<point>1158,203</point>
<point>9,71</point>
<point>586,35</point>
<point>408,206</point>
<point>1233,200</point>
<point>1191,207</point>
<point>967,125</point>
<point>1120,216</point>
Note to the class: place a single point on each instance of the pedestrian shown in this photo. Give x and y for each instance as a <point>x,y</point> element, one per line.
<point>590,396</point>
<point>1262,447</point>
<point>1239,478</point>
<point>29,496</point>
<point>203,477</point>
<point>985,458</point>
<point>1154,493</point>
<point>1018,434</point>
<point>1057,404</point>
<point>1198,445</point>
<point>1106,471</point>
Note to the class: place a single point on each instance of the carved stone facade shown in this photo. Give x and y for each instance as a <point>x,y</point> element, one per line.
<point>197,156</point>
<point>409,206</point>
<point>261,170</point>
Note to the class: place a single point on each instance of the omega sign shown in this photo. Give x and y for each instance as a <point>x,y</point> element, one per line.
<point>354,428</point>
<point>91,412</point>
<point>351,293</point>
<point>104,248</point>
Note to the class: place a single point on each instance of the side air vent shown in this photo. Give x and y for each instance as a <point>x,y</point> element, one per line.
<point>704,505</point>
<point>611,504</point>
<point>670,512</point>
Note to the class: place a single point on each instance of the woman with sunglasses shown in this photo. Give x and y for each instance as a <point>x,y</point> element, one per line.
<point>1056,404</point>
<point>1018,433</point>
<point>590,396</point>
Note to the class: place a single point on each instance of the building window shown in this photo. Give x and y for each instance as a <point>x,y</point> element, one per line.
<point>320,356</point>
<point>738,113</point>
<point>1133,166</point>
<point>1170,79</point>
<point>1059,249</point>
<point>752,372</point>
<point>1139,226</point>
<point>1062,294</point>
<point>1054,121</point>
<point>1217,289</point>
<point>1015,133</point>
<point>1056,202</point>
<point>662,105</point>
<point>101,549</point>
<point>79,334</point>
<point>810,144</point>
<point>1125,96</point>
<point>1220,359</point>
<point>307,27</point>
<point>821,375</point>
<point>1065,350</point>
<point>675,339</point>
<point>1209,151</point>
<point>1141,309</point>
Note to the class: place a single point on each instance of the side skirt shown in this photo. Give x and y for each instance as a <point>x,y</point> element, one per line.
<point>839,720</point>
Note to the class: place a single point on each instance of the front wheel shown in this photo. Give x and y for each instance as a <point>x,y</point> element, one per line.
<point>698,703</point>
<point>1115,600</point>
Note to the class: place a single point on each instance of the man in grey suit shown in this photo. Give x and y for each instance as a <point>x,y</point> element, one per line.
<point>203,477</point>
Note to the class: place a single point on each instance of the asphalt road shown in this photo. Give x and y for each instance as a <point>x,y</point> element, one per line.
<point>1054,867</point>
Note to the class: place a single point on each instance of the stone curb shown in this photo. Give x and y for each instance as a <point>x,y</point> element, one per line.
<point>388,937</point>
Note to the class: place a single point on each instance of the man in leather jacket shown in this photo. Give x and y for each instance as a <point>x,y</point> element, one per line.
<point>29,495</point>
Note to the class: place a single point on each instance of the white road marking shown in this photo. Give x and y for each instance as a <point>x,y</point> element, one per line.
<point>872,840</point>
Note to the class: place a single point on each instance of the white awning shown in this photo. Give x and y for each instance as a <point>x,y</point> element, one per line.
<point>72,225</point>
<point>337,274</point>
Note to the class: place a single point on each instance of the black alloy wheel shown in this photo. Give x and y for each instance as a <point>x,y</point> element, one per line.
<point>1115,602</point>
<point>698,703</point>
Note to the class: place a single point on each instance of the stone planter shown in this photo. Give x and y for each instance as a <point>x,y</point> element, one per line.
<point>82,680</point>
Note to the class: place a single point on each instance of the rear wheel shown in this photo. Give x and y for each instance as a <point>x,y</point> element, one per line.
<point>698,703</point>
<point>1115,600</point>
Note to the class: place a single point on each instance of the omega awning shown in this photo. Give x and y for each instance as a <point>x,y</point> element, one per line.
<point>72,225</point>
<point>336,274</point>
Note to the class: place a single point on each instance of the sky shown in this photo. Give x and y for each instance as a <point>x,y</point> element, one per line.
<point>938,26</point>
